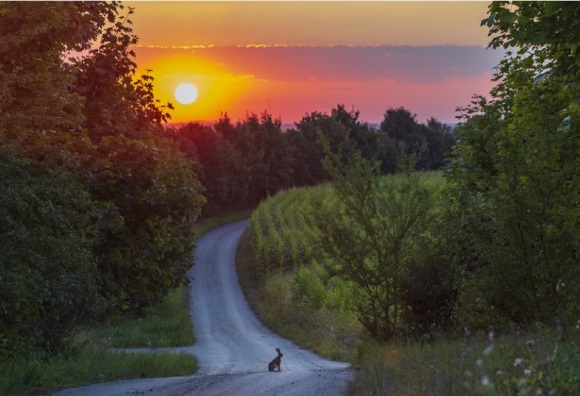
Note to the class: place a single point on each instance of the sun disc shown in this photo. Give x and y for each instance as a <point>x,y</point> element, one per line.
<point>186,93</point>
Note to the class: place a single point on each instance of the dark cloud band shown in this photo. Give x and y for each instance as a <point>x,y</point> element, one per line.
<point>412,64</point>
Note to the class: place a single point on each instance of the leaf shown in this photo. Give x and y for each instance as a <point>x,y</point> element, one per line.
<point>551,7</point>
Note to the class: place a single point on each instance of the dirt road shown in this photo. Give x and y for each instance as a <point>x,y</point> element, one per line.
<point>232,346</point>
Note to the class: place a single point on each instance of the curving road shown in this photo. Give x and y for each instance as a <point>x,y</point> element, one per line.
<point>233,347</point>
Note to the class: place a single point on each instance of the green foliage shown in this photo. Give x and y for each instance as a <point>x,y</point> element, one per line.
<point>550,27</point>
<point>48,274</point>
<point>313,287</point>
<point>167,324</point>
<point>221,170</point>
<point>34,82</point>
<point>375,237</point>
<point>431,142</point>
<point>530,364</point>
<point>285,238</point>
<point>156,195</point>
<point>116,102</point>
<point>513,183</point>
<point>99,208</point>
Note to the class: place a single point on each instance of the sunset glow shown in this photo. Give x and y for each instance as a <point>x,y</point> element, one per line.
<point>295,58</point>
<point>186,93</point>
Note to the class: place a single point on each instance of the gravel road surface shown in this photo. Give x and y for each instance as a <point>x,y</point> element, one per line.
<point>232,346</point>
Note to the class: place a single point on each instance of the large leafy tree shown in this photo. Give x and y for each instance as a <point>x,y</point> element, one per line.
<point>49,280</point>
<point>155,197</point>
<point>262,150</point>
<point>147,236</point>
<point>376,238</point>
<point>99,200</point>
<point>342,129</point>
<point>34,81</point>
<point>514,176</point>
<point>221,170</point>
<point>117,102</point>
<point>48,275</point>
<point>550,27</point>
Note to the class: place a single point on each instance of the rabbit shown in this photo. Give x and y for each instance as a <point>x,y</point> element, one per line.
<point>276,361</point>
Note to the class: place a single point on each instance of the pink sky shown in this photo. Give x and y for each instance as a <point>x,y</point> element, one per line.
<point>293,58</point>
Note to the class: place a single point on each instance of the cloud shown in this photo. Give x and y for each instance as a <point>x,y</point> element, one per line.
<point>410,64</point>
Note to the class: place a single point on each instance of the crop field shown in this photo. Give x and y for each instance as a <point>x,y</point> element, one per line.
<point>282,229</point>
<point>284,240</point>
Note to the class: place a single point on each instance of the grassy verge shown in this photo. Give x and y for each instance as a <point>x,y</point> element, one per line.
<point>326,332</point>
<point>92,363</point>
<point>90,359</point>
<point>165,325</point>
<point>535,364</point>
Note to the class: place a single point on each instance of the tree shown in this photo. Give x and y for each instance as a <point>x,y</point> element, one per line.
<point>439,140</point>
<point>86,117</point>
<point>263,151</point>
<point>400,125</point>
<point>48,231</point>
<point>549,27</point>
<point>34,81</point>
<point>48,273</point>
<point>373,237</point>
<point>146,245</point>
<point>116,102</point>
<point>514,176</point>
<point>342,129</point>
<point>433,141</point>
<point>222,171</point>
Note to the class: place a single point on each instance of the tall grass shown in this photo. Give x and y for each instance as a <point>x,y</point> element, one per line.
<point>532,364</point>
<point>328,332</point>
<point>89,356</point>
<point>92,363</point>
<point>165,325</point>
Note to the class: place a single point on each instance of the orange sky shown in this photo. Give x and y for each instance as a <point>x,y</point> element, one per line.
<point>292,58</point>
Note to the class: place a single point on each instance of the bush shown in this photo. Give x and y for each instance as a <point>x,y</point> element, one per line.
<point>47,269</point>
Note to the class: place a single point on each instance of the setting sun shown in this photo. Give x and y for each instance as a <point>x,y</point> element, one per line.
<point>186,93</point>
<point>236,72</point>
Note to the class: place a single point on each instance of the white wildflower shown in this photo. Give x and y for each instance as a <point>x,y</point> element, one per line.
<point>484,380</point>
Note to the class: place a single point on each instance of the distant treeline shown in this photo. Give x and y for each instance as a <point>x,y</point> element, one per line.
<point>242,163</point>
